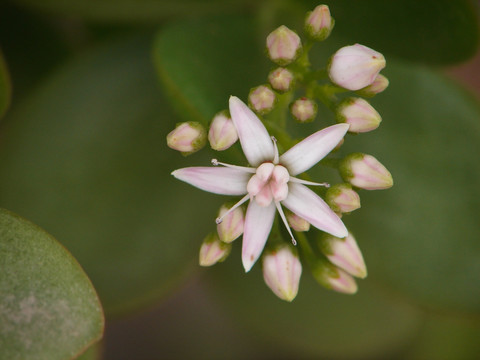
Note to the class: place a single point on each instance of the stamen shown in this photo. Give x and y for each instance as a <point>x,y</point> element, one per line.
<point>242,200</point>
<point>305,182</point>
<point>282,215</point>
<point>215,162</point>
<point>276,158</point>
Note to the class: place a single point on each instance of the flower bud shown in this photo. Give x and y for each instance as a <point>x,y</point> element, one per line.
<point>344,253</point>
<point>187,137</point>
<point>356,66</point>
<point>296,222</point>
<point>304,110</point>
<point>222,133</point>
<point>231,226</point>
<point>365,172</point>
<point>281,79</point>
<point>334,278</point>
<point>359,114</point>
<point>319,23</point>
<point>377,86</point>
<point>342,199</point>
<point>281,271</point>
<point>261,99</point>
<point>213,250</point>
<point>283,45</point>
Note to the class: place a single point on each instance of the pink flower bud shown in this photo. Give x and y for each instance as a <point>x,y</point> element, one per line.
<point>281,271</point>
<point>319,23</point>
<point>222,133</point>
<point>342,199</point>
<point>334,278</point>
<point>231,225</point>
<point>344,253</point>
<point>261,99</point>
<point>187,137</point>
<point>283,45</point>
<point>304,110</point>
<point>281,79</point>
<point>356,66</point>
<point>359,114</point>
<point>213,250</point>
<point>296,222</point>
<point>377,86</point>
<point>365,172</point>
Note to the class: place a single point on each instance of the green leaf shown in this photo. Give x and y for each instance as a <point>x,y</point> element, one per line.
<point>430,31</point>
<point>227,61</point>
<point>319,323</point>
<point>5,87</point>
<point>48,307</point>
<point>86,157</point>
<point>421,237</point>
<point>446,337</point>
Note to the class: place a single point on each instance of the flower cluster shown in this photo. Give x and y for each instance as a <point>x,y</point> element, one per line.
<point>309,213</point>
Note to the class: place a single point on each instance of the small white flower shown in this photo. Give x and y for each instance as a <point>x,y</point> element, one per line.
<point>270,182</point>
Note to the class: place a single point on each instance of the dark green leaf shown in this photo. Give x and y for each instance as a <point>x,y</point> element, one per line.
<point>48,307</point>
<point>202,63</point>
<point>318,323</point>
<point>430,31</point>
<point>86,157</point>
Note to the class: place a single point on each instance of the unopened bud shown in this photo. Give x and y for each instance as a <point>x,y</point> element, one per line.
<point>304,110</point>
<point>213,250</point>
<point>359,114</point>
<point>365,172</point>
<point>344,253</point>
<point>296,222</point>
<point>281,79</point>
<point>319,23</point>
<point>261,99</point>
<point>355,67</point>
<point>283,45</point>
<point>222,133</point>
<point>281,271</point>
<point>231,225</point>
<point>334,278</point>
<point>187,137</point>
<point>377,86</point>
<point>342,198</point>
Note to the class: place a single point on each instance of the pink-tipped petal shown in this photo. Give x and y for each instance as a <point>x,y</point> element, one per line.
<point>256,143</point>
<point>217,180</point>
<point>314,148</point>
<point>258,223</point>
<point>308,205</point>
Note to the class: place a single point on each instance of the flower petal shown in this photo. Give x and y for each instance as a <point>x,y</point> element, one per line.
<point>258,223</point>
<point>314,148</point>
<point>217,180</point>
<point>254,138</point>
<point>308,205</point>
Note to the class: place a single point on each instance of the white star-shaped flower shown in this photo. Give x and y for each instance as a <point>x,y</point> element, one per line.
<point>270,182</point>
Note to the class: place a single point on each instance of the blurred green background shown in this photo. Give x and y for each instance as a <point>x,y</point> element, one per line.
<point>90,88</point>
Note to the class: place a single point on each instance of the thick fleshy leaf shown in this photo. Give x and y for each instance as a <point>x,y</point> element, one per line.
<point>308,205</point>
<point>258,223</point>
<point>254,138</point>
<point>449,28</point>
<point>314,148</point>
<point>48,308</point>
<point>85,156</point>
<point>217,180</point>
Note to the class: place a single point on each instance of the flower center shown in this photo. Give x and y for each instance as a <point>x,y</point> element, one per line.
<point>270,182</point>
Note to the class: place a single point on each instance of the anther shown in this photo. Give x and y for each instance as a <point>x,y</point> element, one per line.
<point>214,162</point>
